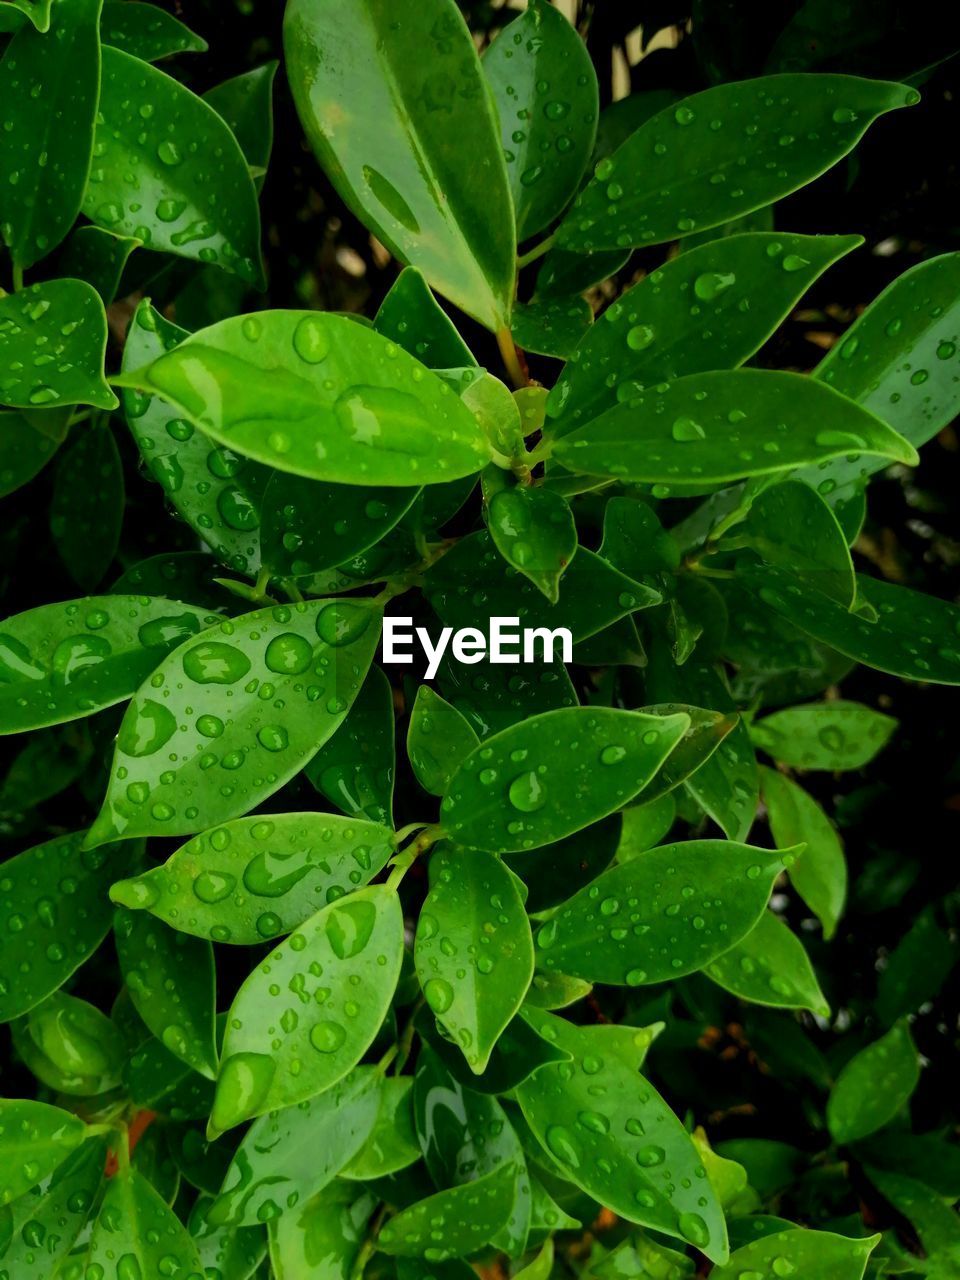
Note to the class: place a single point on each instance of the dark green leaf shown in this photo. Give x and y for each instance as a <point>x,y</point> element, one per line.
<point>439,739</point>
<point>355,770</point>
<point>769,966</point>
<point>705,733</point>
<point>832,1257</point>
<point>411,317</point>
<point>790,526</point>
<point>819,874</point>
<point>926,1156</point>
<point>196,200</point>
<point>86,509</point>
<point>49,762</point>
<point>234,1253</point>
<point>518,1053</point>
<point>55,1215</point>
<point>323,1236</point>
<point>722,153</point>
<point>304,660</point>
<point>136,1226</point>
<point>38,12</point>
<point>98,257</point>
<point>553,870</point>
<point>474,951</point>
<point>34,1140</point>
<point>146,31</point>
<point>392,1144</point>
<point>492,696</point>
<point>322,1018</point>
<point>246,104</point>
<point>658,917</point>
<point>832,735</point>
<point>645,825</point>
<point>157,1080</point>
<point>551,326</point>
<point>189,576</point>
<point>70,1046</point>
<point>52,341</point>
<point>936,1223</point>
<point>399,163</point>
<point>916,970</point>
<point>24,452</point>
<point>471,1215</point>
<point>532,528</point>
<point>873,1086</point>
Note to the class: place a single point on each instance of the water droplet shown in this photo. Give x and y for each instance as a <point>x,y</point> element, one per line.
<point>527,792</point>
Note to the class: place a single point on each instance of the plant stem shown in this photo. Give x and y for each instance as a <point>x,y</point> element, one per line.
<point>536,252</point>
<point>511,358</point>
<point>17,278</point>
<point>405,1043</point>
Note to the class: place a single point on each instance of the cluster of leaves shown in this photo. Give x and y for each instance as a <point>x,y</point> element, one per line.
<point>359,1033</point>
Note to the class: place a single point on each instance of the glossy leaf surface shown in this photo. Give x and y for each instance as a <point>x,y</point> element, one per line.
<point>411,317</point>
<point>70,1046</point>
<point>24,452</point>
<point>392,1144</point>
<point>56,1213</point>
<point>324,1234</point>
<point>355,769</point>
<point>769,966</point>
<point>34,1139</point>
<point>834,1257</point>
<point>819,874</point>
<point>86,509</point>
<point>97,256</point>
<point>873,1086</point>
<point>493,697</point>
<point>439,739</point>
<point>136,1225</point>
<point>791,526</point>
<point>533,529</point>
<point>61,325</point>
<point>470,1216</point>
<point>832,735</point>
<point>146,31</point>
<point>246,103</point>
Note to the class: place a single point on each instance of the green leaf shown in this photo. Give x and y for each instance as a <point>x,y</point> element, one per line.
<point>171,980</point>
<point>146,31</point>
<point>470,1215</point>
<point>70,1046</point>
<point>24,452</point>
<point>642,1257</point>
<point>56,894</point>
<point>306,661</point>
<point>86,509</point>
<point>935,1222</point>
<point>556,991</point>
<point>834,735</point>
<point>411,317</point>
<point>635,542</point>
<point>297,1151</point>
<point>594,594</point>
<point>705,733</point>
<point>474,951</point>
<point>196,200</point>
<point>547,98</point>
<point>46,147</point>
<point>518,1053</point>
<point>645,825</point>
<point>35,1139</point>
<point>553,774</point>
<point>551,326</point>
<point>819,874</point>
<point>400,164</point>
<point>873,1086</point>
<point>56,1214</point>
<point>711,308</point>
<point>711,428</point>
<point>492,696</point>
<point>917,969</point>
<point>439,739</point>
<point>235,1252</point>
<point>322,1237</point>
<point>157,1080</point>
<point>927,1157</point>
<point>831,1257</point>
<point>245,103</point>
<point>532,528</point>
<point>309,526</point>
<point>722,153</point>
<point>790,526</point>
<point>688,902</point>
<point>341,403</point>
<point>217,492</point>
<point>612,1134</point>
<point>136,1227</point>
<point>355,770</point>
<point>52,342</point>
<point>392,1144</point>
<point>493,406</point>
<point>189,576</point>
<point>38,11</point>
<point>914,635</point>
<point>769,966</point>
<point>541,1268</point>
<point>899,360</point>
<point>98,257</point>
<point>554,870</point>
<point>256,878</point>
<point>336,977</point>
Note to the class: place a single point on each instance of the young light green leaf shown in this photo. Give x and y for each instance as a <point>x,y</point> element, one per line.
<point>172,983</point>
<point>297,1151</point>
<point>439,739</point>
<point>474,950</point>
<point>411,317</point>
<point>547,98</point>
<point>392,1144</point>
<point>660,183</point>
<point>24,452</point>
<point>400,163</point>
<point>532,528</point>
<point>137,1227</point>
<point>34,1140</point>
<point>832,735</point>
<point>873,1086</point>
<point>57,895</point>
<point>252,702</point>
<point>819,874</point>
<point>541,1268</point>
<point>341,403</point>
<point>146,31</point>
<point>256,878</point>
<point>196,200</point>
<point>470,1215</point>
<point>356,768</point>
<point>711,308</point>
<point>612,1134</point>
<point>553,774</point>
<point>556,991</point>
<point>671,912</point>
<point>46,148</point>
<point>914,635</point>
<point>245,102</point>
<point>98,257</point>
<point>791,526</point>
<point>711,428</point>
<point>642,1256</point>
<point>819,1253</point>
<point>321,1018</point>
<point>62,325</point>
<point>56,1214</point>
<point>330,1227</point>
<point>86,509</point>
<point>70,1046</point>
<point>769,966</point>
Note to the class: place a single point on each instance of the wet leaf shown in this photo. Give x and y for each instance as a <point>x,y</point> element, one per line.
<point>392,1144</point>
<point>791,526</point>
<point>159,1081</point>
<point>235,1253</point>
<point>221,711</point>
<point>86,509</point>
<point>493,697</point>
<point>136,1228</point>
<point>671,912</point>
<point>532,528</point>
<point>97,256</point>
<point>769,966</point>
<point>324,1234</point>
<point>52,342</point>
<point>917,969</point>
<point>309,1012</point>
<point>257,878</point>
<point>645,825</point>
<point>355,770</point>
<point>518,1053</point>
<point>411,317</point>
<point>832,735</point>
<point>245,102</point>
<point>70,1046</point>
<point>474,950</point>
<point>24,452</point>
<point>146,31</point>
<point>551,326</point>
<point>834,1257</point>
<point>819,874</point>
<point>935,1222</point>
<point>554,870</point>
<point>35,1139</point>
<point>873,1086</point>
<point>553,774</point>
<point>470,1216</point>
<point>439,739</point>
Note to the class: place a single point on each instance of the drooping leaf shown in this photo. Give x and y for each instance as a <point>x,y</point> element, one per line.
<point>341,404</point>
<point>710,428</point>
<point>355,769</point>
<point>532,528</point>
<point>819,874</point>
<point>297,1151</point>
<point>439,739</point>
<point>553,774</point>
<point>519,1052</point>
<point>474,950</point>
<point>52,342</point>
<point>470,1215</point>
<point>195,199</point>
<point>399,164</point>
<point>137,1227</point>
<point>769,966</point>
<point>86,509</point>
<point>761,138</point>
<point>146,31</point>
<point>545,90</point>
<point>324,1234</point>
<point>873,1086</point>
<point>256,878</point>
<point>220,712</point>
<point>46,145</point>
<point>34,1140</point>
<point>613,1135</point>
<point>327,1019</point>
<point>832,1257</point>
<point>832,735</point>
<point>711,308</point>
